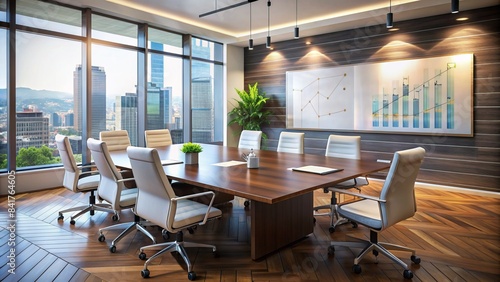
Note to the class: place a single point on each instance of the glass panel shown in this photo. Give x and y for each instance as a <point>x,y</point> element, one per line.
<point>114,94</point>
<point>164,96</point>
<point>164,41</point>
<point>3,8</point>
<point>202,49</point>
<point>3,99</point>
<point>44,97</point>
<point>114,30</point>
<point>42,15</point>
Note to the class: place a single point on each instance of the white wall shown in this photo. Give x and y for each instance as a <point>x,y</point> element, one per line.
<point>28,181</point>
<point>234,77</point>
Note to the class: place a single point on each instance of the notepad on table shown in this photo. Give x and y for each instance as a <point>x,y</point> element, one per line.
<point>169,162</point>
<point>316,169</point>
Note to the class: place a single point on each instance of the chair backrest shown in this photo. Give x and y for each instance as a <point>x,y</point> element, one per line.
<point>71,171</point>
<point>347,147</point>
<point>157,137</point>
<point>116,140</point>
<point>250,139</point>
<point>153,199</point>
<point>398,189</point>
<point>291,142</point>
<point>109,189</point>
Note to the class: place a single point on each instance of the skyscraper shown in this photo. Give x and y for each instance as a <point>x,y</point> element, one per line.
<point>32,129</point>
<point>98,104</point>
<point>159,107</point>
<point>126,115</point>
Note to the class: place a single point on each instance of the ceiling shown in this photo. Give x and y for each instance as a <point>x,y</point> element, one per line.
<point>232,26</point>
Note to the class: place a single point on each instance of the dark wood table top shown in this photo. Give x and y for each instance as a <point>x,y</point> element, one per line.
<point>272,182</point>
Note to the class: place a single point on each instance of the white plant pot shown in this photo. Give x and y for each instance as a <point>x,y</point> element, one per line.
<point>191,158</point>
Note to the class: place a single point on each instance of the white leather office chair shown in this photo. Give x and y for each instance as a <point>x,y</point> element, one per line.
<point>291,142</point>
<point>112,190</point>
<point>395,203</point>
<point>250,139</point>
<point>116,140</point>
<point>157,202</point>
<point>78,181</point>
<point>347,147</point>
<point>157,137</point>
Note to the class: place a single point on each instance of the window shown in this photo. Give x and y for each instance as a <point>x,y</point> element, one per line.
<point>114,93</point>
<point>117,31</point>
<point>48,16</point>
<point>3,8</point>
<point>3,99</point>
<point>44,96</point>
<point>206,92</point>
<point>164,91</point>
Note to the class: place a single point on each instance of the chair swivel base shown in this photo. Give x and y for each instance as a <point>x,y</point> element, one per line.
<point>91,208</point>
<point>128,227</point>
<point>376,247</point>
<point>177,246</point>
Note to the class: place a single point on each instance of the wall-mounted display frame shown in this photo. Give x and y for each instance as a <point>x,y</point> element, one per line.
<point>420,96</point>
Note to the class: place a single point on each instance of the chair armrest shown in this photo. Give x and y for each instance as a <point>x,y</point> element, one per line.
<point>343,191</point>
<point>125,180</point>
<point>195,196</point>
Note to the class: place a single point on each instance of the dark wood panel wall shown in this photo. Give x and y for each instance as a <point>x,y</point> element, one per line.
<point>468,162</point>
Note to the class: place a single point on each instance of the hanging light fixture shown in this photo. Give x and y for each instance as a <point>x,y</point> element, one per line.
<point>268,40</point>
<point>389,23</point>
<point>250,41</point>
<point>454,6</point>
<point>296,30</point>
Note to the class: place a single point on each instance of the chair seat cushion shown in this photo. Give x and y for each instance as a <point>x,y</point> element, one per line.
<point>128,197</point>
<point>365,212</point>
<point>88,183</point>
<point>190,212</point>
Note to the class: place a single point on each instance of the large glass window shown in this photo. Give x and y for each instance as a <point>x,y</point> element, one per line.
<point>164,88</point>
<point>206,92</point>
<point>114,93</point>
<point>3,8</point>
<point>44,96</point>
<point>109,29</point>
<point>3,100</point>
<point>39,14</point>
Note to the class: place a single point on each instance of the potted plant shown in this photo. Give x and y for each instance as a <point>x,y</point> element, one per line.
<point>249,113</point>
<point>191,151</point>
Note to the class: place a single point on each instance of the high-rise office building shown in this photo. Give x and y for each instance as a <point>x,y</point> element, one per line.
<point>157,65</point>
<point>32,129</point>
<point>98,103</point>
<point>56,119</point>
<point>69,119</point>
<point>202,95</point>
<point>159,107</point>
<point>126,115</point>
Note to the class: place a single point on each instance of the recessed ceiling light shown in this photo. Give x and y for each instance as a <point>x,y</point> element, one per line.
<point>308,43</point>
<point>462,19</point>
<point>393,29</point>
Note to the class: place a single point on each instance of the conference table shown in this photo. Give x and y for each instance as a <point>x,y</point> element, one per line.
<point>281,207</point>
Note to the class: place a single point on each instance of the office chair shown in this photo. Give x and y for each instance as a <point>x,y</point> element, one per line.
<point>347,147</point>
<point>158,203</point>
<point>291,142</point>
<point>116,140</point>
<point>250,139</point>
<point>157,138</point>
<point>112,190</point>
<point>77,180</point>
<point>395,203</point>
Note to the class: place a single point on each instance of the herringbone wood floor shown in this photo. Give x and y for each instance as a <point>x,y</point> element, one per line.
<point>456,235</point>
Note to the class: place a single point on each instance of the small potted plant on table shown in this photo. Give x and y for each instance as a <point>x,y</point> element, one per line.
<point>191,151</point>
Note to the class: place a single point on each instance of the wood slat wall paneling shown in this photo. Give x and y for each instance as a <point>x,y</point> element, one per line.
<point>469,162</point>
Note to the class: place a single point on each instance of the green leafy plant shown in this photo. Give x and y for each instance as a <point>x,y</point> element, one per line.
<point>250,113</point>
<point>191,148</point>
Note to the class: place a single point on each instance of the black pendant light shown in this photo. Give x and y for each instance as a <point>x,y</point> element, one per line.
<point>250,41</point>
<point>296,30</point>
<point>389,23</point>
<point>268,40</point>
<point>454,6</point>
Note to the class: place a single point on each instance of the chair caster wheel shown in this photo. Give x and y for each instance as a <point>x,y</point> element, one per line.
<point>145,273</point>
<point>375,252</point>
<point>314,220</point>
<point>114,217</point>
<point>72,222</point>
<point>246,203</point>
<point>331,250</point>
<point>415,259</point>
<point>407,274</point>
<point>60,217</point>
<point>331,229</point>
<point>216,254</point>
<point>191,276</point>
<point>356,268</point>
<point>112,249</point>
<point>101,238</point>
<point>190,230</point>
<point>354,224</point>
<point>142,256</point>
<point>165,234</point>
